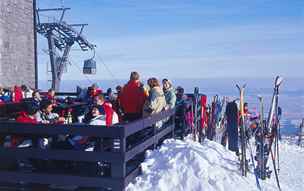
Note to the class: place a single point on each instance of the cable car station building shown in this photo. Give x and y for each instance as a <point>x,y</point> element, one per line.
<point>17,43</point>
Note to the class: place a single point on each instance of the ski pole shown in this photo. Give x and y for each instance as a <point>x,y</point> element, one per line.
<point>275,170</point>
<point>255,174</point>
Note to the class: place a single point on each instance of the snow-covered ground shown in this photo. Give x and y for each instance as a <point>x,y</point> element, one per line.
<point>190,166</point>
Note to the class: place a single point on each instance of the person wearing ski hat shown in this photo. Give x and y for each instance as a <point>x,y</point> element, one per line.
<point>169,92</point>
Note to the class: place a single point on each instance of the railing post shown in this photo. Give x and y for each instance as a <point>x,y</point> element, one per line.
<point>119,169</point>
<point>173,124</point>
<point>154,135</point>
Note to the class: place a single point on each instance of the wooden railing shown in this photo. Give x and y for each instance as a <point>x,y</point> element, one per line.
<point>123,162</point>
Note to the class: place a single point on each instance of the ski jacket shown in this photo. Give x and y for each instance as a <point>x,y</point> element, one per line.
<point>109,114</point>
<point>98,120</point>
<point>170,97</point>
<point>43,117</point>
<point>17,95</point>
<point>22,118</point>
<point>132,97</point>
<point>155,103</point>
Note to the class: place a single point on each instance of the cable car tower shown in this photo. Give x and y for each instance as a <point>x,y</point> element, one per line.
<point>61,37</point>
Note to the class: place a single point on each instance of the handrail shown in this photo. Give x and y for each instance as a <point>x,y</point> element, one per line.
<point>120,172</point>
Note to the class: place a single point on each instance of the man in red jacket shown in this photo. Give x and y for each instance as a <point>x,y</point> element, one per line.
<point>132,98</point>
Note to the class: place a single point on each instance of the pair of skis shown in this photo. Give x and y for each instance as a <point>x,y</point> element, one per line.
<point>271,131</point>
<point>242,130</point>
<point>273,125</point>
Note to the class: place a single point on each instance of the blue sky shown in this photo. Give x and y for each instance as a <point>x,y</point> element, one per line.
<point>188,39</point>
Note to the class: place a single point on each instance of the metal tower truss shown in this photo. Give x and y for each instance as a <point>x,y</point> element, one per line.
<point>61,37</point>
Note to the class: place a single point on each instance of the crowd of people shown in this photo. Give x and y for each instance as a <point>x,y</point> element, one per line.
<point>132,101</point>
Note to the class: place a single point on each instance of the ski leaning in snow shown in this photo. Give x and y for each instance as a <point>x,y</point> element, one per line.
<point>203,118</point>
<point>262,152</point>
<point>273,124</point>
<point>196,125</point>
<point>242,130</point>
<point>301,133</point>
<point>220,120</point>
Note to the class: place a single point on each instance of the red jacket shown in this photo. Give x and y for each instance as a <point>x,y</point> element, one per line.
<point>132,97</point>
<point>17,94</point>
<point>23,118</point>
<point>108,112</point>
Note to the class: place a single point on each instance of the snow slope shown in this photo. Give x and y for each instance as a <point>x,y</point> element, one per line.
<point>190,166</point>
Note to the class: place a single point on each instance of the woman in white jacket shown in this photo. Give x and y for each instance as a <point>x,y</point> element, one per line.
<point>99,116</point>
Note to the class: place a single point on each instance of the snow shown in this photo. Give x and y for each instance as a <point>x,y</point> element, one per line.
<point>187,165</point>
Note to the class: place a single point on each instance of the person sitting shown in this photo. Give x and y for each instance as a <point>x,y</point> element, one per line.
<point>110,96</point>
<point>111,115</point>
<point>17,94</point>
<point>36,98</point>
<point>132,98</point>
<point>26,91</point>
<point>95,90</point>
<point>98,116</point>
<point>46,115</point>
<point>169,92</point>
<point>51,96</point>
<point>116,103</point>
<point>26,116</point>
<point>156,101</point>
<point>4,95</point>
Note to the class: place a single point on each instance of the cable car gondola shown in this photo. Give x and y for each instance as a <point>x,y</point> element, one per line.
<point>89,66</point>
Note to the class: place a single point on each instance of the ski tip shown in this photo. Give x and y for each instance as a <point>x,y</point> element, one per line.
<point>239,87</point>
<point>278,80</point>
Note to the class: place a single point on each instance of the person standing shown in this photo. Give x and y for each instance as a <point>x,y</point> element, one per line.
<point>132,98</point>
<point>169,92</point>
<point>156,101</point>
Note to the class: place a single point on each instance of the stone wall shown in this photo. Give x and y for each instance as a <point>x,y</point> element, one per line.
<point>17,44</point>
